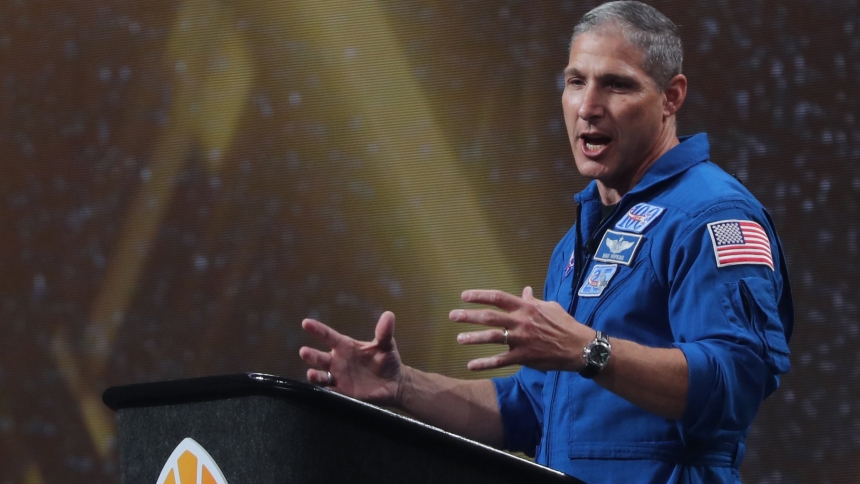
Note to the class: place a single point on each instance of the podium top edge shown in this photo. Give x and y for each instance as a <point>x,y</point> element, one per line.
<point>205,388</point>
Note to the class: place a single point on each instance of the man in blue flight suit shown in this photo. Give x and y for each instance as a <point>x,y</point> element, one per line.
<point>666,311</point>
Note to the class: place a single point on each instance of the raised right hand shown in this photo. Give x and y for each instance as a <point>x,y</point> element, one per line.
<point>370,371</point>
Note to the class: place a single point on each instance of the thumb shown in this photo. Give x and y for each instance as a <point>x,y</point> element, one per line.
<point>385,331</point>
<point>527,293</point>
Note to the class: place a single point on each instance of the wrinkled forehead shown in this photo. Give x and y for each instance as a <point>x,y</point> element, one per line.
<point>606,50</point>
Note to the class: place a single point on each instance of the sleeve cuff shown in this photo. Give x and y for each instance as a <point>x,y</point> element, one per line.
<point>522,429</point>
<point>725,387</point>
<point>701,375</point>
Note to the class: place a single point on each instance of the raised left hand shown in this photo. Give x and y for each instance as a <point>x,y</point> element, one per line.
<point>540,334</point>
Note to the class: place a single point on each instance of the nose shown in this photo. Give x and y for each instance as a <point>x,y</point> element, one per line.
<point>590,103</point>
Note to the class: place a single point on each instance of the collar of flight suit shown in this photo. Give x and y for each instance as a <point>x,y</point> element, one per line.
<point>690,151</point>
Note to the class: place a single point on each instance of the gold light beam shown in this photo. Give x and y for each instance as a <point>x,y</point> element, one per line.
<point>416,168</point>
<point>214,75</point>
<point>33,475</point>
<point>446,229</point>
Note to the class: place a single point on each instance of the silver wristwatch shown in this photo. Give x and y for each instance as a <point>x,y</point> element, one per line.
<point>596,355</point>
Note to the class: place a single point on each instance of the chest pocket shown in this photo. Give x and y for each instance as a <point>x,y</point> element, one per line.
<point>622,278</point>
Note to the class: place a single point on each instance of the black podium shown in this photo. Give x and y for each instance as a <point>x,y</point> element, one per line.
<point>262,429</point>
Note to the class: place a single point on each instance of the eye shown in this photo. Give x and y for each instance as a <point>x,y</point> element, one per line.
<point>576,82</point>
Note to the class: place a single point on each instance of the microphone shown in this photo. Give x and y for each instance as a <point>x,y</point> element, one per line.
<point>592,245</point>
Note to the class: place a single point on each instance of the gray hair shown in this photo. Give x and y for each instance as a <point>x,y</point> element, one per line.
<point>643,27</point>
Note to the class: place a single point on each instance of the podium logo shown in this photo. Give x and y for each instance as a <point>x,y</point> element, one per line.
<point>190,464</point>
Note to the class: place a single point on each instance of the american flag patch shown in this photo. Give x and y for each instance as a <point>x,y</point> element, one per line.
<point>740,242</point>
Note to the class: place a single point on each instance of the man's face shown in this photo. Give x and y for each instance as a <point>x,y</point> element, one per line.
<point>612,108</point>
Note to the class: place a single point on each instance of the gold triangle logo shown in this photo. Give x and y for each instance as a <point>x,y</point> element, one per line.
<point>190,464</point>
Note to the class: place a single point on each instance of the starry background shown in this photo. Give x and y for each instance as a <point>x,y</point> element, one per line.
<point>182,182</point>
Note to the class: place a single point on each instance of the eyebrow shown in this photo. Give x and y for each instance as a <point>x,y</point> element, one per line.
<point>609,77</point>
<point>571,71</point>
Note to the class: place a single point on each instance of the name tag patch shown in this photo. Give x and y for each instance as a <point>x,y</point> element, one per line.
<point>638,218</point>
<point>618,247</point>
<point>597,280</point>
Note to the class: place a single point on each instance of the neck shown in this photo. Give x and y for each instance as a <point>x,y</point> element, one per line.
<point>611,191</point>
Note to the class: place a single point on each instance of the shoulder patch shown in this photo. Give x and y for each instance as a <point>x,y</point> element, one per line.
<point>617,247</point>
<point>740,242</point>
<point>638,218</point>
<point>597,280</point>
<point>570,264</point>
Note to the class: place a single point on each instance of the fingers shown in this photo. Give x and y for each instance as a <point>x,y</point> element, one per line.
<point>491,362</point>
<point>322,332</point>
<point>318,377</point>
<point>315,358</point>
<point>499,299</point>
<point>385,331</point>
<point>482,337</point>
<point>486,317</point>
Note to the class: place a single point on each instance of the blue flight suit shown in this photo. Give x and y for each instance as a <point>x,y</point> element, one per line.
<point>679,268</point>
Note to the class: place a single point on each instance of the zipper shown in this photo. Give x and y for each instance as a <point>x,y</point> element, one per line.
<point>578,275</point>
<point>574,300</point>
<point>548,418</point>
<point>577,282</point>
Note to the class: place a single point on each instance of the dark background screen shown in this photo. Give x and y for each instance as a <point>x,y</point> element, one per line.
<point>182,182</point>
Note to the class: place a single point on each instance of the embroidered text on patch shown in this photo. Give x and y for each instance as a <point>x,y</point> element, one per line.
<point>617,247</point>
<point>639,218</point>
<point>740,242</point>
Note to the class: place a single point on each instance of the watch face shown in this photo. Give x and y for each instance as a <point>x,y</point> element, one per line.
<point>598,354</point>
<point>602,354</point>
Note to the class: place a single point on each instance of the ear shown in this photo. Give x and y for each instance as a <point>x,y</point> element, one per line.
<point>675,95</point>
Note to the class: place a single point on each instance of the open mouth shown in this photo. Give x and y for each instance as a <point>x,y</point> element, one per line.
<point>594,144</point>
